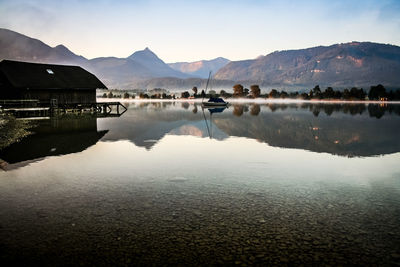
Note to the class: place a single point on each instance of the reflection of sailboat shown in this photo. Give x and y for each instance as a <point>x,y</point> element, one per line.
<point>213,101</point>
<point>212,111</point>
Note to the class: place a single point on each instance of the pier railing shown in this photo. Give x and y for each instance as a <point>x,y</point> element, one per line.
<point>35,108</point>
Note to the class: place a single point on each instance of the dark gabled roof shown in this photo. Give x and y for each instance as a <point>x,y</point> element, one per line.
<point>48,76</point>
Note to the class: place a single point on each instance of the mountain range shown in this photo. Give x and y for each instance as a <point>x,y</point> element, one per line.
<point>200,68</point>
<point>340,65</point>
<point>130,72</point>
<point>359,64</point>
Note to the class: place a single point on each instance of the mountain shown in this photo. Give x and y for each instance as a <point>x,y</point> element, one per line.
<point>16,46</point>
<point>359,64</point>
<point>114,72</point>
<point>152,62</point>
<point>339,65</point>
<point>119,72</point>
<point>200,68</point>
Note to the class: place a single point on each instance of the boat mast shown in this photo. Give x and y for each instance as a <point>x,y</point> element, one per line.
<point>208,81</point>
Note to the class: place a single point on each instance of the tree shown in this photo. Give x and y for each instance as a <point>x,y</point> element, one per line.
<point>126,95</point>
<point>194,89</point>
<point>329,93</point>
<point>284,94</point>
<point>212,92</point>
<point>376,92</point>
<point>110,95</point>
<point>304,96</point>
<point>273,94</point>
<point>294,94</point>
<point>317,92</point>
<point>203,94</point>
<point>185,94</point>
<point>142,95</point>
<point>238,90</point>
<point>346,94</point>
<point>105,95</point>
<point>338,94</point>
<point>255,90</point>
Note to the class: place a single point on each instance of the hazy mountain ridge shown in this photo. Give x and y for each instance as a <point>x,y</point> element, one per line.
<point>114,72</point>
<point>200,68</point>
<point>339,65</point>
<point>20,47</point>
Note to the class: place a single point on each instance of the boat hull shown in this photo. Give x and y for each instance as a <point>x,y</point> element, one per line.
<point>214,104</point>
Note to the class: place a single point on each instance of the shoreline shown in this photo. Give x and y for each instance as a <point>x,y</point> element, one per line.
<point>246,100</point>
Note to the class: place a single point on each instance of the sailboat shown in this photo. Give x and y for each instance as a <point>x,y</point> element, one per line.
<point>213,101</point>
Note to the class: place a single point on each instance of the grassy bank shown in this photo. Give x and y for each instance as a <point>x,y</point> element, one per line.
<point>13,130</point>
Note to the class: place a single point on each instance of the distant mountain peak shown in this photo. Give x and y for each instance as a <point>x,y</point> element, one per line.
<point>145,55</point>
<point>61,46</point>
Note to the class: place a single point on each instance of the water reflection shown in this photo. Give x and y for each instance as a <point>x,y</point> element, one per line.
<point>177,197</point>
<point>348,130</point>
<point>56,136</point>
<point>374,110</point>
<point>341,129</point>
<point>209,123</point>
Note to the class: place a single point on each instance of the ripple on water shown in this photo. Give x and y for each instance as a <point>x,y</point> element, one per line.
<point>178,179</point>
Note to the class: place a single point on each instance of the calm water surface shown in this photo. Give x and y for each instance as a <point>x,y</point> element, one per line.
<point>167,183</point>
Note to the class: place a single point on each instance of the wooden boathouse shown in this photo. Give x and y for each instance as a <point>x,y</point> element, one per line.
<point>26,85</point>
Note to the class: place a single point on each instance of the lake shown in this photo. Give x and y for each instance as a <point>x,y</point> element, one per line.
<point>169,183</point>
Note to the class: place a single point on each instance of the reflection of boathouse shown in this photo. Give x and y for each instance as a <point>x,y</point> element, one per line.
<point>47,82</point>
<point>53,137</point>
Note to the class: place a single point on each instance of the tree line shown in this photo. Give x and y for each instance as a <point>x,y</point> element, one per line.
<point>377,92</point>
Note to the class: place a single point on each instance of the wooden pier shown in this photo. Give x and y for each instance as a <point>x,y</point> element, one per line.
<point>34,108</point>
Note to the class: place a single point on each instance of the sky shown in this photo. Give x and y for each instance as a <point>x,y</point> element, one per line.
<point>178,30</point>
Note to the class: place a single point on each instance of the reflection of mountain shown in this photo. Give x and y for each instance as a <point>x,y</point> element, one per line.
<point>54,137</point>
<point>337,129</point>
<point>149,122</point>
<point>336,134</point>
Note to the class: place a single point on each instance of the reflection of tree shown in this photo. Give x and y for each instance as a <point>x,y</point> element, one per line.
<point>393,109</point>
<point>185,105</point>
<point>238,110</point>
<point>255,109</point>
<point>273,107</point>
<point>376,111</point>
<point>156,105</point>
<point>329,109</point>
<point>166,104</point>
